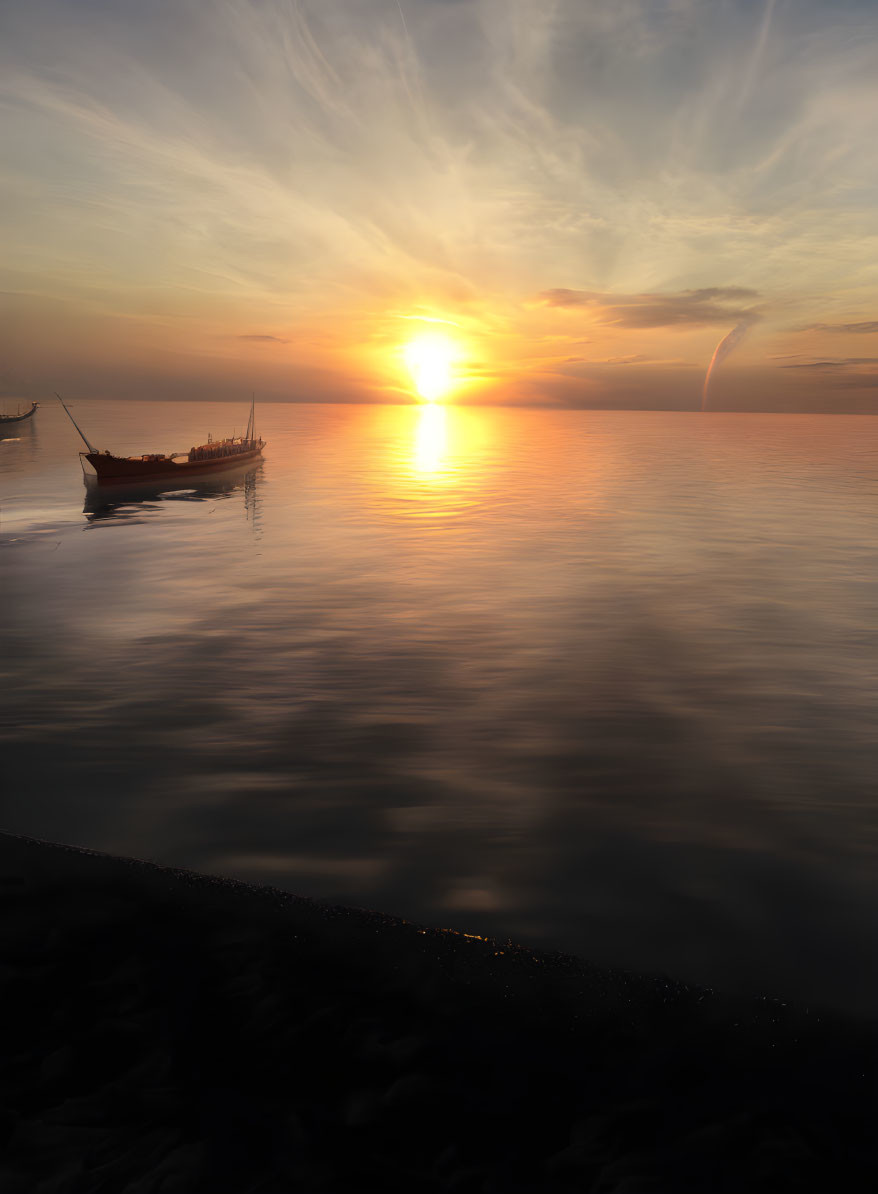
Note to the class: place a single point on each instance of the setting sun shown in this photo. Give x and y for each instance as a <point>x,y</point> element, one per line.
<point>430,359</point>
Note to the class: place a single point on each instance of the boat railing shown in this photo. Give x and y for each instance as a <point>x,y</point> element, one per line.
<point>217,449</point>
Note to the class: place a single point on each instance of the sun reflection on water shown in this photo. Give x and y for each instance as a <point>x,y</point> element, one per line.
<point>432,462</point>
<point>431,442</point>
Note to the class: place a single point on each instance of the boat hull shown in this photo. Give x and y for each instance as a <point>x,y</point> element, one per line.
<point>19,418</point>
<point>118,470</point>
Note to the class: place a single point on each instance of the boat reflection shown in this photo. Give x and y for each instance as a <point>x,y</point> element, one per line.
<point>26,429</point>
<point>129,503</point>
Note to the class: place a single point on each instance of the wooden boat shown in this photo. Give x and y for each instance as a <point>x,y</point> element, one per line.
<point>130,500</point>
<point>211,457</point>
<point>20,416</point>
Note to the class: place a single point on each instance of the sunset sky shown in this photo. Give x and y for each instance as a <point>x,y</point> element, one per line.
<point>579,198</point>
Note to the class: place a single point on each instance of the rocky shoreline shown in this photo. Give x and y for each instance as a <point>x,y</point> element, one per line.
<point>172,1033</point>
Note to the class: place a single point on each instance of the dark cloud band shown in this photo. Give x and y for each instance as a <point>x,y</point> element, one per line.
<point>693,308</point>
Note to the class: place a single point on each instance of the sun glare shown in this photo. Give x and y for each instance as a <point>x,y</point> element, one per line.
<point>430,360</point>
<point>431,436</point>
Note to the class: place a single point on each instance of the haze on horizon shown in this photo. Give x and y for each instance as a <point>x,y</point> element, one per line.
<point>204,199</point>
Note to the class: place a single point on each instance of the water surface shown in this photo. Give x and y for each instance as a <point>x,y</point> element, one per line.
<point>598,681</point>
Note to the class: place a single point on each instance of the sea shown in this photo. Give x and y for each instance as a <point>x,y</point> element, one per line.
<point>603,682</point>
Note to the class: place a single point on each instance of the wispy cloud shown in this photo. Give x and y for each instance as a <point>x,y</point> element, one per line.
<point>195,169</point>
<point>263,339</point>
<point>839,375</point>
<point>693,308</point>
<point>843,363</point>
<point>634,358</point>
<point>864,328</point>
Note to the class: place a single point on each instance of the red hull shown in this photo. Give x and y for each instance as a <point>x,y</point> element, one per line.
<point>118,469</point>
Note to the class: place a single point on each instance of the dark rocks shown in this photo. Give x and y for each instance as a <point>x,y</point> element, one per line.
<point>413,1091</point>
<point>362,1109</point>
<point>190,1036</point>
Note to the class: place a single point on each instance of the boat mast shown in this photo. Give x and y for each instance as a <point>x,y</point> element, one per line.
<point>251,423</point>
<point>74,422</point>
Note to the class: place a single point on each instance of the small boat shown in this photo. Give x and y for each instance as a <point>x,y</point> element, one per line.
<point>19,416</point>
<point>211,457</point>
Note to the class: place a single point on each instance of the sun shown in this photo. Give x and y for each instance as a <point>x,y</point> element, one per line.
<point>430,360</point>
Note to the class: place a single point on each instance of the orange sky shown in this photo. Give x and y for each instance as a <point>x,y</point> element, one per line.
<point>206,200</point>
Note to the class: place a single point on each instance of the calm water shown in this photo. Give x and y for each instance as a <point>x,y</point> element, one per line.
<point>597,681</point>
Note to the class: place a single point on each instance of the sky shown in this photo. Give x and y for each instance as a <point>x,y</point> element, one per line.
<point>583,203</point>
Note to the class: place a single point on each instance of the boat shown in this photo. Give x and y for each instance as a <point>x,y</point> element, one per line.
<point>132,501</point>
<point>19,416</point>
<point>214,456</point>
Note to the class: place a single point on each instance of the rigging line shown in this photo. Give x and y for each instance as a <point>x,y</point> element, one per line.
<point>75,424</point>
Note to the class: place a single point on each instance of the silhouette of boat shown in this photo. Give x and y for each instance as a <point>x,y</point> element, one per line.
<point>20,416</point>
<point>214,456</point>
<point>129,501</point>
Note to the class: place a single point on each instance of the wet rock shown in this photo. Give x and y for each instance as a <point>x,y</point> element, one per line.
<point>639,1184</point>
<point>362,1109</point>
<point>574,1159</point>
<point>177,1172</point>
<point>447,1158</point>
<point>467,1181</point>
<point>63,1180</point>
<point>57,1066</point>
<point>406,1049</point>
<point>78,1112</point>
<point>413,1091</point>
<point>174,1051</point>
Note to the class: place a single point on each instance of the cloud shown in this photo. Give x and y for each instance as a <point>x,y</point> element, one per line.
<point>843,363</point>
<point>264,339</point>
<point>844,373</point>
<point>689,308</point>
<point>634,358</point>
<point>865,328</point>
<point>195,168</point>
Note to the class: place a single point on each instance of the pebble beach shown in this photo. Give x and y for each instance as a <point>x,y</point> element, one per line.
<point>171,1033</point>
